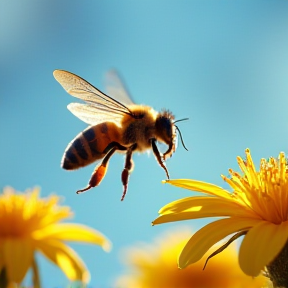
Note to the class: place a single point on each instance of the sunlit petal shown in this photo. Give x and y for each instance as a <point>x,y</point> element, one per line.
<point>74,232</point>
<point>208,207</point>
<point>66,258</point>
<point>18,255</point>
<point>261,245</point>
<point>210,234</point>
<point>200,186</point>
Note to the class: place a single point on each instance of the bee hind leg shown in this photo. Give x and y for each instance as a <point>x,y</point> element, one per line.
<point>127,169</point>
<point>99,172</point>
<point>158,156</point>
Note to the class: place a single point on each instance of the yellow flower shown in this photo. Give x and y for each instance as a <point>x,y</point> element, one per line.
<point>257,206</point>
<point>29,224</point>
<point>155,266</point>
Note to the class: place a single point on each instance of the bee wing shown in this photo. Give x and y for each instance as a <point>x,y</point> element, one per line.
<point>117,88</point>
<point>93,115</point>
<point>80,88</point>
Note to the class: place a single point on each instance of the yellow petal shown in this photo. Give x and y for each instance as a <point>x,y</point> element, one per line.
<point>73,232</point>
<point>66,259</point>
<point>261,245</point>
<point>209,235</point>
<point>18,256</point>
<point>208,207</point>
<point>200,186</point>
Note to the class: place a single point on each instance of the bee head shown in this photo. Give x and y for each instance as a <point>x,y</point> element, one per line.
<point>166,131</point>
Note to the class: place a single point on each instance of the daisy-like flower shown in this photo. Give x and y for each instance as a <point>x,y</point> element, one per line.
<point>155,265</point>
<point>29,224</point>
<point>256,208</point>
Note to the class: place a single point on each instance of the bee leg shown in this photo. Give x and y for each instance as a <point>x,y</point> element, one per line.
<point>169,152</point>
<point>99,172</point>
<point>158,156</point>
<point>127,169</point>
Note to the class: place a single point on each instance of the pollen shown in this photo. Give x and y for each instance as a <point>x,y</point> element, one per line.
<point>264,191</point>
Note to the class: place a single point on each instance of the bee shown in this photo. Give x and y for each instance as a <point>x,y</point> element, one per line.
<point>115,127</point>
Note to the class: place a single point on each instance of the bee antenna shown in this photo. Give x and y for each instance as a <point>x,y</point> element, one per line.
<point>180,120</point>
<point>181,134</point>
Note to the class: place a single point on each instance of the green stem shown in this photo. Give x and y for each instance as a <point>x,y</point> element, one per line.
<point>3,278</point>
<point>36,278</point>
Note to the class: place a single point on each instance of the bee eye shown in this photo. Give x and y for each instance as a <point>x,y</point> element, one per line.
<point>164,125</point>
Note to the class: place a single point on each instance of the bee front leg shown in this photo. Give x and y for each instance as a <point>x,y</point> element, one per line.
<point>127,169</point>
<point>99,171</point>
<point>169,152</point>
<point>158,156</point>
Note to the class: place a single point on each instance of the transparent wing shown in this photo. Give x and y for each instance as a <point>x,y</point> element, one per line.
<point>93,115</point>
<point>116,88</point>
<point>96,100</point>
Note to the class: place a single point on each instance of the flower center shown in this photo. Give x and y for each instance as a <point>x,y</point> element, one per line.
<point>264,191</point>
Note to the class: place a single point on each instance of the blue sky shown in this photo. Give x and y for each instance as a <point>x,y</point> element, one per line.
<point>223,64</point>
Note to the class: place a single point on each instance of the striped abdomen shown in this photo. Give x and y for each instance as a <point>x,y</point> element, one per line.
<point>90,145</point>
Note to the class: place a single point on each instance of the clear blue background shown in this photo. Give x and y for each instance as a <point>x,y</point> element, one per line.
<point>223,64</point>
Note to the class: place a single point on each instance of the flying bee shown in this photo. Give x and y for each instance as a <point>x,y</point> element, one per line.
<point>115,127</point>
